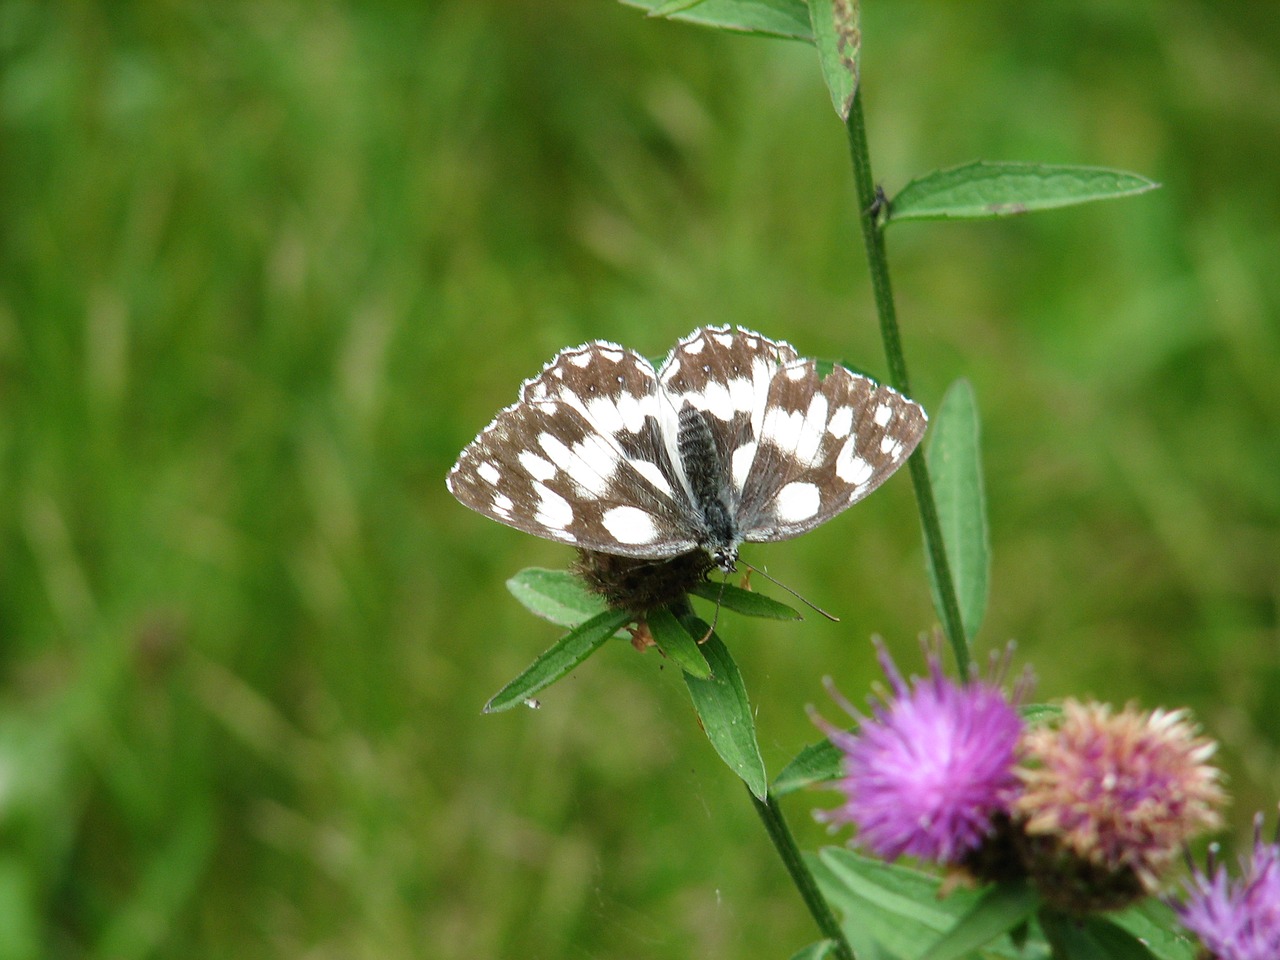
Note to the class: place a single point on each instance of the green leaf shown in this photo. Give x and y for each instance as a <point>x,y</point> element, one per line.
<point>556,595</point>
<point>788,19</point>
<point>982,190</point>
<point>1000,909</point>
<point>955,468</point>
<point>746,602</point>
<point>565,654</point>
<point>897,908</point>
<point>1091,938</point>
<point>722,707</point>
<point>817,763</point>
<point>839,42</point>
<point>677,644</point>
<point>816,951</point>
<point>1156,925</point>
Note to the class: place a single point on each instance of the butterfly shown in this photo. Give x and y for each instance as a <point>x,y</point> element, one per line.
<point>734,438</point>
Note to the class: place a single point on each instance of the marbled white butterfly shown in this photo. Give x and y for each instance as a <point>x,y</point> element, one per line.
<point>734,438</point>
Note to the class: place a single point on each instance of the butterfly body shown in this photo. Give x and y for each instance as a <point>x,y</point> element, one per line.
<point>733,438</point>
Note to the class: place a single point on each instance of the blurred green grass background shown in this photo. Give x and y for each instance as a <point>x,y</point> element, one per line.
<point>266,268</point>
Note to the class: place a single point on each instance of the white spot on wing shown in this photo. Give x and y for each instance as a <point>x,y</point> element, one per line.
<point>580,359</point>
<point>588,463</point>
<point>632,411</point>
<point>630,525</point>
<point>780,427</point>
<point>850,467</point>
<point>891,447</point>
<point>502,504</point>
<point>594,466</point>
<point>742,394</point>
<point>604,413</point>
<point>796,370</point>
<point>649,470</point>
<point>695,347</point>
<point>611,354</point>
<point>743,458</point>
<point>488,472</point>
<point>809,442</point>
<point>553,510</point>
<point>538,468</point>
<point>716,400</point>
<point>797,501</point>
<point>884,413</point>
<point>841,422</point>
<point>724,339</point>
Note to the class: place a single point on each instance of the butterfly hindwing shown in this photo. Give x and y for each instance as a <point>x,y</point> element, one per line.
<point>726,374</point>
<point>825,443</point>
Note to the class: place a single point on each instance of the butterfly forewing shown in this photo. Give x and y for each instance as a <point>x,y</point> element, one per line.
<point>580,459</point>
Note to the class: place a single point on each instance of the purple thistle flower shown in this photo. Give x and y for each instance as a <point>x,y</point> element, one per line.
<point>927,772</point>
<point>1238,920</point>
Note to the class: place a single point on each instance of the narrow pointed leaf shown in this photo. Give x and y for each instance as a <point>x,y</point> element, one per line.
<point>555,595</point>
<point>983,190</point>
<point>567,652</point>
<point>839,41</point>
<point>1092,938</point>
<point>1000,909</point>
<point>955,469</point>
<point>817,763</point>
<point>746,602</point>
<point>777,18</point>
<point>677,644</point>
<point>816,951</point>
<point>722,707</point>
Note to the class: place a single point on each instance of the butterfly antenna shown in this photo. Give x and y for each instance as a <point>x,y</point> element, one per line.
<point>807,602</point>
<point>715,617</point>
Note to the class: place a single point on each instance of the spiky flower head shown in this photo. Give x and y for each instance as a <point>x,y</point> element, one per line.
<point>1109,799</point>
<point>927,772</point>
<point>1237,919</point>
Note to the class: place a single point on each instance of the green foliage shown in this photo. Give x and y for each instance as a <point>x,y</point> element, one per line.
<point>565,654</point>
<point>893,911</point>
<point>816,764</point>
<point>555,595</point>
<point>721,703</point>
<point>677,644</point>
<point>983,190</point>
<point>1001,909</point>
<point>839,41</point>
<point>778,18</point>
<point>746,602</point>
<point>954,457</point>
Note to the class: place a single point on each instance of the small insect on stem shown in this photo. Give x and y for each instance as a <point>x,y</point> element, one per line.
<point>879,209</point>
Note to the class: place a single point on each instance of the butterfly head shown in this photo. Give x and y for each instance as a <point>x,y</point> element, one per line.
<point>726,558</point>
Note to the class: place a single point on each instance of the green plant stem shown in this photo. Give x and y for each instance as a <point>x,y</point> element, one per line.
<point>785,843</point>
<point>878,263</point>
